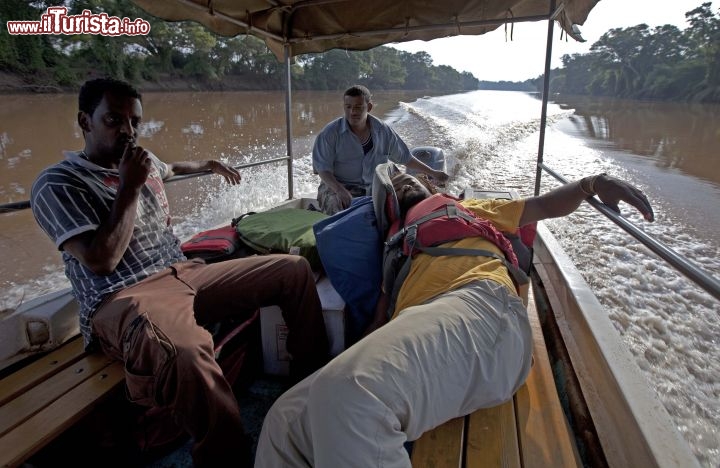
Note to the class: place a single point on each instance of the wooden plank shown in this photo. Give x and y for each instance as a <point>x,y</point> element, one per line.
<point>31,375</point>
<point>529,431</point>
<point>492,438</point>
<point>37,431</point>
<point>441,447</point>
<point>544,434</point>
<point>34,400</point>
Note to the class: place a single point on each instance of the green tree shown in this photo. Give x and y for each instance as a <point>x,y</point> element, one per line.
<point>626,56</point>
<point>419,68</point>
<point>23,53</point>
<point>659,63</point>
<point>703,36</point>
<point>387,71</point>
<point>187,51</point>
<point>334,69</point>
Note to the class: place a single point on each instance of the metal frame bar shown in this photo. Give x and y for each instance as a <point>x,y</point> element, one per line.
<point>546,91</point>
<point>288,120</point>
<point>698,276</point>
<point>25,204</point>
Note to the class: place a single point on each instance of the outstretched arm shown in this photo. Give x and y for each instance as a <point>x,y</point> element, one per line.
<point>439,176</point>
<point>231,175</point>
<point>564,200</point>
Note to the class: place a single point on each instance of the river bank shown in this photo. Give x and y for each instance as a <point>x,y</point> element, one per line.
<point>16,83</point>
<point>19,83</point>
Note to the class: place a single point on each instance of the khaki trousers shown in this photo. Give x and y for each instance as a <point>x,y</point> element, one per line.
<point>464,350</point>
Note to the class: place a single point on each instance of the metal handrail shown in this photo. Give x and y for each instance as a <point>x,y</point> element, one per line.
<point>695,274</point>
<point>14,206</point>
<point>698,276</point>
<point>25,204</point>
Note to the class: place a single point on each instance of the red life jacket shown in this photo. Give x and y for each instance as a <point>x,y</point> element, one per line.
<point>441,218</point>
<point>435,221</point>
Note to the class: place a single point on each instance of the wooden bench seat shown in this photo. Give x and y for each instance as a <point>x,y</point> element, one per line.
<point>528,431</point>
<point>43,399</point>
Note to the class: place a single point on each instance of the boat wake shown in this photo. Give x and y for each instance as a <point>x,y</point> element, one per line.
<point>669,324</point>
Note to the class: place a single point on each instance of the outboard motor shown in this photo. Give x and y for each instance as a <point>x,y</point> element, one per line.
<point>430,155</point>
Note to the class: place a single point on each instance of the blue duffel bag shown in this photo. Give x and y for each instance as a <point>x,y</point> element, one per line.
<point>350,250</point>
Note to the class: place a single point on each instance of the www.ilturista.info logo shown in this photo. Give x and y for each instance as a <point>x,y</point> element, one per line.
<point>55,20</point>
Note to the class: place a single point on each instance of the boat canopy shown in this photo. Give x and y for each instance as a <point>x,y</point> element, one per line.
<point>311,26</point>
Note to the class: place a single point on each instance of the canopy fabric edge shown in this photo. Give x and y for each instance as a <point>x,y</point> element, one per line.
<point>309,26</point>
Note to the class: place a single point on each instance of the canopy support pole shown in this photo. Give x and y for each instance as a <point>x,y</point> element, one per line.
<point>546,90</point>
<point>288,120</point>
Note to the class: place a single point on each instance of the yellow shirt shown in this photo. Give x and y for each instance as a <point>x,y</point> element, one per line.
<point>430,276</point>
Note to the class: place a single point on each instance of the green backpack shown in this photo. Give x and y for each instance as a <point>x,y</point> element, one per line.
<point>284,230</point>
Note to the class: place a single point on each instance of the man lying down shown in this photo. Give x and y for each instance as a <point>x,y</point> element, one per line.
<point>457,341</point>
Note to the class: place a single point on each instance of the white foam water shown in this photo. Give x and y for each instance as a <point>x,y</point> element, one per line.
<point>669,324</point>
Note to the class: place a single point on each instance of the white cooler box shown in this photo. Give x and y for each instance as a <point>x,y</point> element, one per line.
<point>274,330</point>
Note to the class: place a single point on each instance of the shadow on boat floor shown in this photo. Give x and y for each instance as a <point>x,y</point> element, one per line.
<point>254,404</point>
<point>105,438</point>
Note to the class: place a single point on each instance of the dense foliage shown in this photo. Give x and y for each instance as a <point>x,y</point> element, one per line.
<point>649,63</point>
<point>188,52</point>
<point>637,62</point>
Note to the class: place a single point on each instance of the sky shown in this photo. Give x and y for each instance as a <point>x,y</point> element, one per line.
<point>490,57</point>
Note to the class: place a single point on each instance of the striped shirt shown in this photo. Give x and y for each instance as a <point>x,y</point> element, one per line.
<point>75,196</point>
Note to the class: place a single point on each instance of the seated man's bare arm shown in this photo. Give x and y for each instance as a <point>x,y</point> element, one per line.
<point>231,175</point>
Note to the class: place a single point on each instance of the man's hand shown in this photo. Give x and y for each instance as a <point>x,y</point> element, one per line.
<point>611,191</point>
<point>344,196</point>
<point>102,250</point>
<point>134,167</point>
<point>439,176</point>
<point>564,200</point>
<point>232,176</point>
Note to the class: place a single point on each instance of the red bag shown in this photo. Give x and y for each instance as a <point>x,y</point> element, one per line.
<point>214,245</point>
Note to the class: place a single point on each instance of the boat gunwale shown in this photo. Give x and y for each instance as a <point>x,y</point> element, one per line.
<point>612,384</point>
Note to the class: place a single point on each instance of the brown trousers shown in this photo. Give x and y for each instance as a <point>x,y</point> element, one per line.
<point>156,328</point>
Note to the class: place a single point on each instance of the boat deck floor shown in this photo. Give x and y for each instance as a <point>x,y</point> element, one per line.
<point>254,404</point>
<point>92,443</point>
